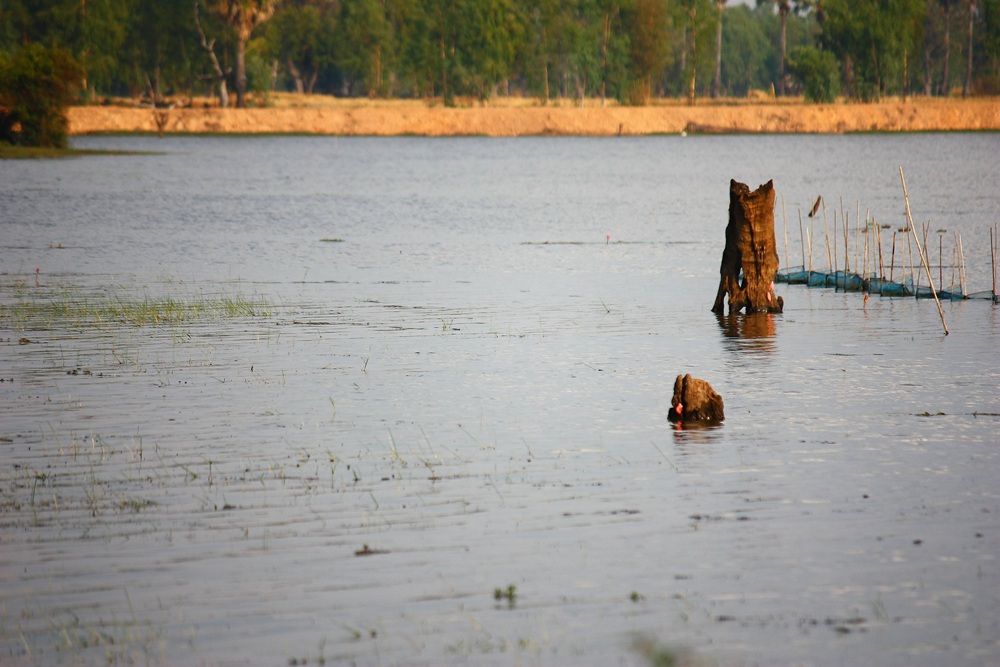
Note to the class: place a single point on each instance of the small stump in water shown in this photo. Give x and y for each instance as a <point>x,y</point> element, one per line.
<point>694,400</point>
<point>750,260</point>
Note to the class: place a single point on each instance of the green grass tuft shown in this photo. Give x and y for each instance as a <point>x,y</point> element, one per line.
<point>43,308</point>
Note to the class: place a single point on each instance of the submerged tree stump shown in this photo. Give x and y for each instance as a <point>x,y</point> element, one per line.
<point>750,260</point>
<point>694,400</point>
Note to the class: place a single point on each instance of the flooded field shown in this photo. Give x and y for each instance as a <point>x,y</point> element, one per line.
<point>305,400</point>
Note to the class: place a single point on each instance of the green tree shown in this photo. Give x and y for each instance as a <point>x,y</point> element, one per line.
<point>36,86</point>
<point>717,79</point>
<point>477,42</point>
<point>365,42</point>
<point>947,7</point>
<point>92,30</point>
<point>988,50</point>
<point>967,83</point>
<point>872,39</point>
<point>646,25</point>
<point>301,36</point>
<point>784,7</point>
<point>695,20</point>
<point>158,53</point>
<point>746,48</point>
<point>243,16</point>
<point>817,70</point>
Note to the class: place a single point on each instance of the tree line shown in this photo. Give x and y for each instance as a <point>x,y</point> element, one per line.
<point>627,50</point>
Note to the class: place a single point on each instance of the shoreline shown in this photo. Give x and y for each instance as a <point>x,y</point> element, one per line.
<point>396,118</point>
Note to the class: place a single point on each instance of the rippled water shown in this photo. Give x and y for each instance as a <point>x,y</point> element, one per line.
<point>458,385</point>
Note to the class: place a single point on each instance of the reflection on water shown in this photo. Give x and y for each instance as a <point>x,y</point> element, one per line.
<point>696,433</point>
<point>752,333</point>
<point>432,410</point>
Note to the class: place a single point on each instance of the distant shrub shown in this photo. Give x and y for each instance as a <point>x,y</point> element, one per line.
<point>817,70</point>
<point>36,86</point>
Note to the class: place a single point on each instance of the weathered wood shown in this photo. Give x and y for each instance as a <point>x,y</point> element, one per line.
<point>750,259</point>
<point>923,260</point>
<point>694,400</point>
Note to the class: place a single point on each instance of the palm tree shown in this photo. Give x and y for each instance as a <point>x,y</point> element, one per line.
<point>784,7</point>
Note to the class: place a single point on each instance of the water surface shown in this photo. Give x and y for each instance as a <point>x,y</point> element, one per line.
<point>460,385</point>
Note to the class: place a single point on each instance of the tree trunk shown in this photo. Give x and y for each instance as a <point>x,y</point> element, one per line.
<point>692,14</point>
<point>928,85</point>
<point>717,81</point>
<point>783,11</point>
<point>241,73</point>
<point>296,76</point>
<point>967,86</point>
<point>209,47</point>
<point>604,57</point>
<point>750,259</point>
<point>945,75</point>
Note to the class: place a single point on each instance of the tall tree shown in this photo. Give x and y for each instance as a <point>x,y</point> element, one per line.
<point>157,57</point>
<point>691,9</point>
<point>784,7</point>
<point>301,37</point>
<point>745,51</point>
<point>646,25</point>
<point>946,6</point>
<point>717,80</point>
<point>365,43</point>
<point>219,75</point>
<point>243,16</point>
<point>871,38</point>
<point>967,84</point>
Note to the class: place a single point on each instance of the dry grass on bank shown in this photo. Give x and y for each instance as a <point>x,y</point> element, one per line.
<point>287,113</point>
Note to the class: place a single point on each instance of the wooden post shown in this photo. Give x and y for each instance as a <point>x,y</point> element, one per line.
<point>892,257</point>
<point>802,240</point>
<point>993,257</point>
<point>878,239</point>
<point>909,220</point>
<point>784,228</point>
<point>826,229</point>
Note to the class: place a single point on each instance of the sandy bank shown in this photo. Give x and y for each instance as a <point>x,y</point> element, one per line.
<point>506,121</point>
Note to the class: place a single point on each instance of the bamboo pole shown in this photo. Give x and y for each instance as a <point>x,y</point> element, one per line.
<point>878,239</point>
<point>993,256</point>
<point>836,242</point>
<point>908,252</point>
<point>864,254</point>
<point>784,227</point>
<point>809,239</point>
<point>892,258</point>
<point>826,229</point>
<point>954,260</point>
<point>802,240</point>
<point>923,228</point>
<point>909,219</point>
<point>961,271</point>
<point>857,235</point>
<point>846,219</point>
<point>941,259</point>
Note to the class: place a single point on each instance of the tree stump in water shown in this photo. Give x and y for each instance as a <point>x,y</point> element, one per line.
<point>694,400</point>
<point>750,260</point>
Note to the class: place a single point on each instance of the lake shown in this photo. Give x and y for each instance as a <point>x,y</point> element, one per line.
<point>402,401</point>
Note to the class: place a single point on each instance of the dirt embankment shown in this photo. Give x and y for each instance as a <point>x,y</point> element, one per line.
<point>415,118</point>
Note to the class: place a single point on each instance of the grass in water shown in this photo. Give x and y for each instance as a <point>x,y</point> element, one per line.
<point>32,308</point>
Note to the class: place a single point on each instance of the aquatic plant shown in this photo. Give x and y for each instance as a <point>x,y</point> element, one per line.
<point>44,308</point>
